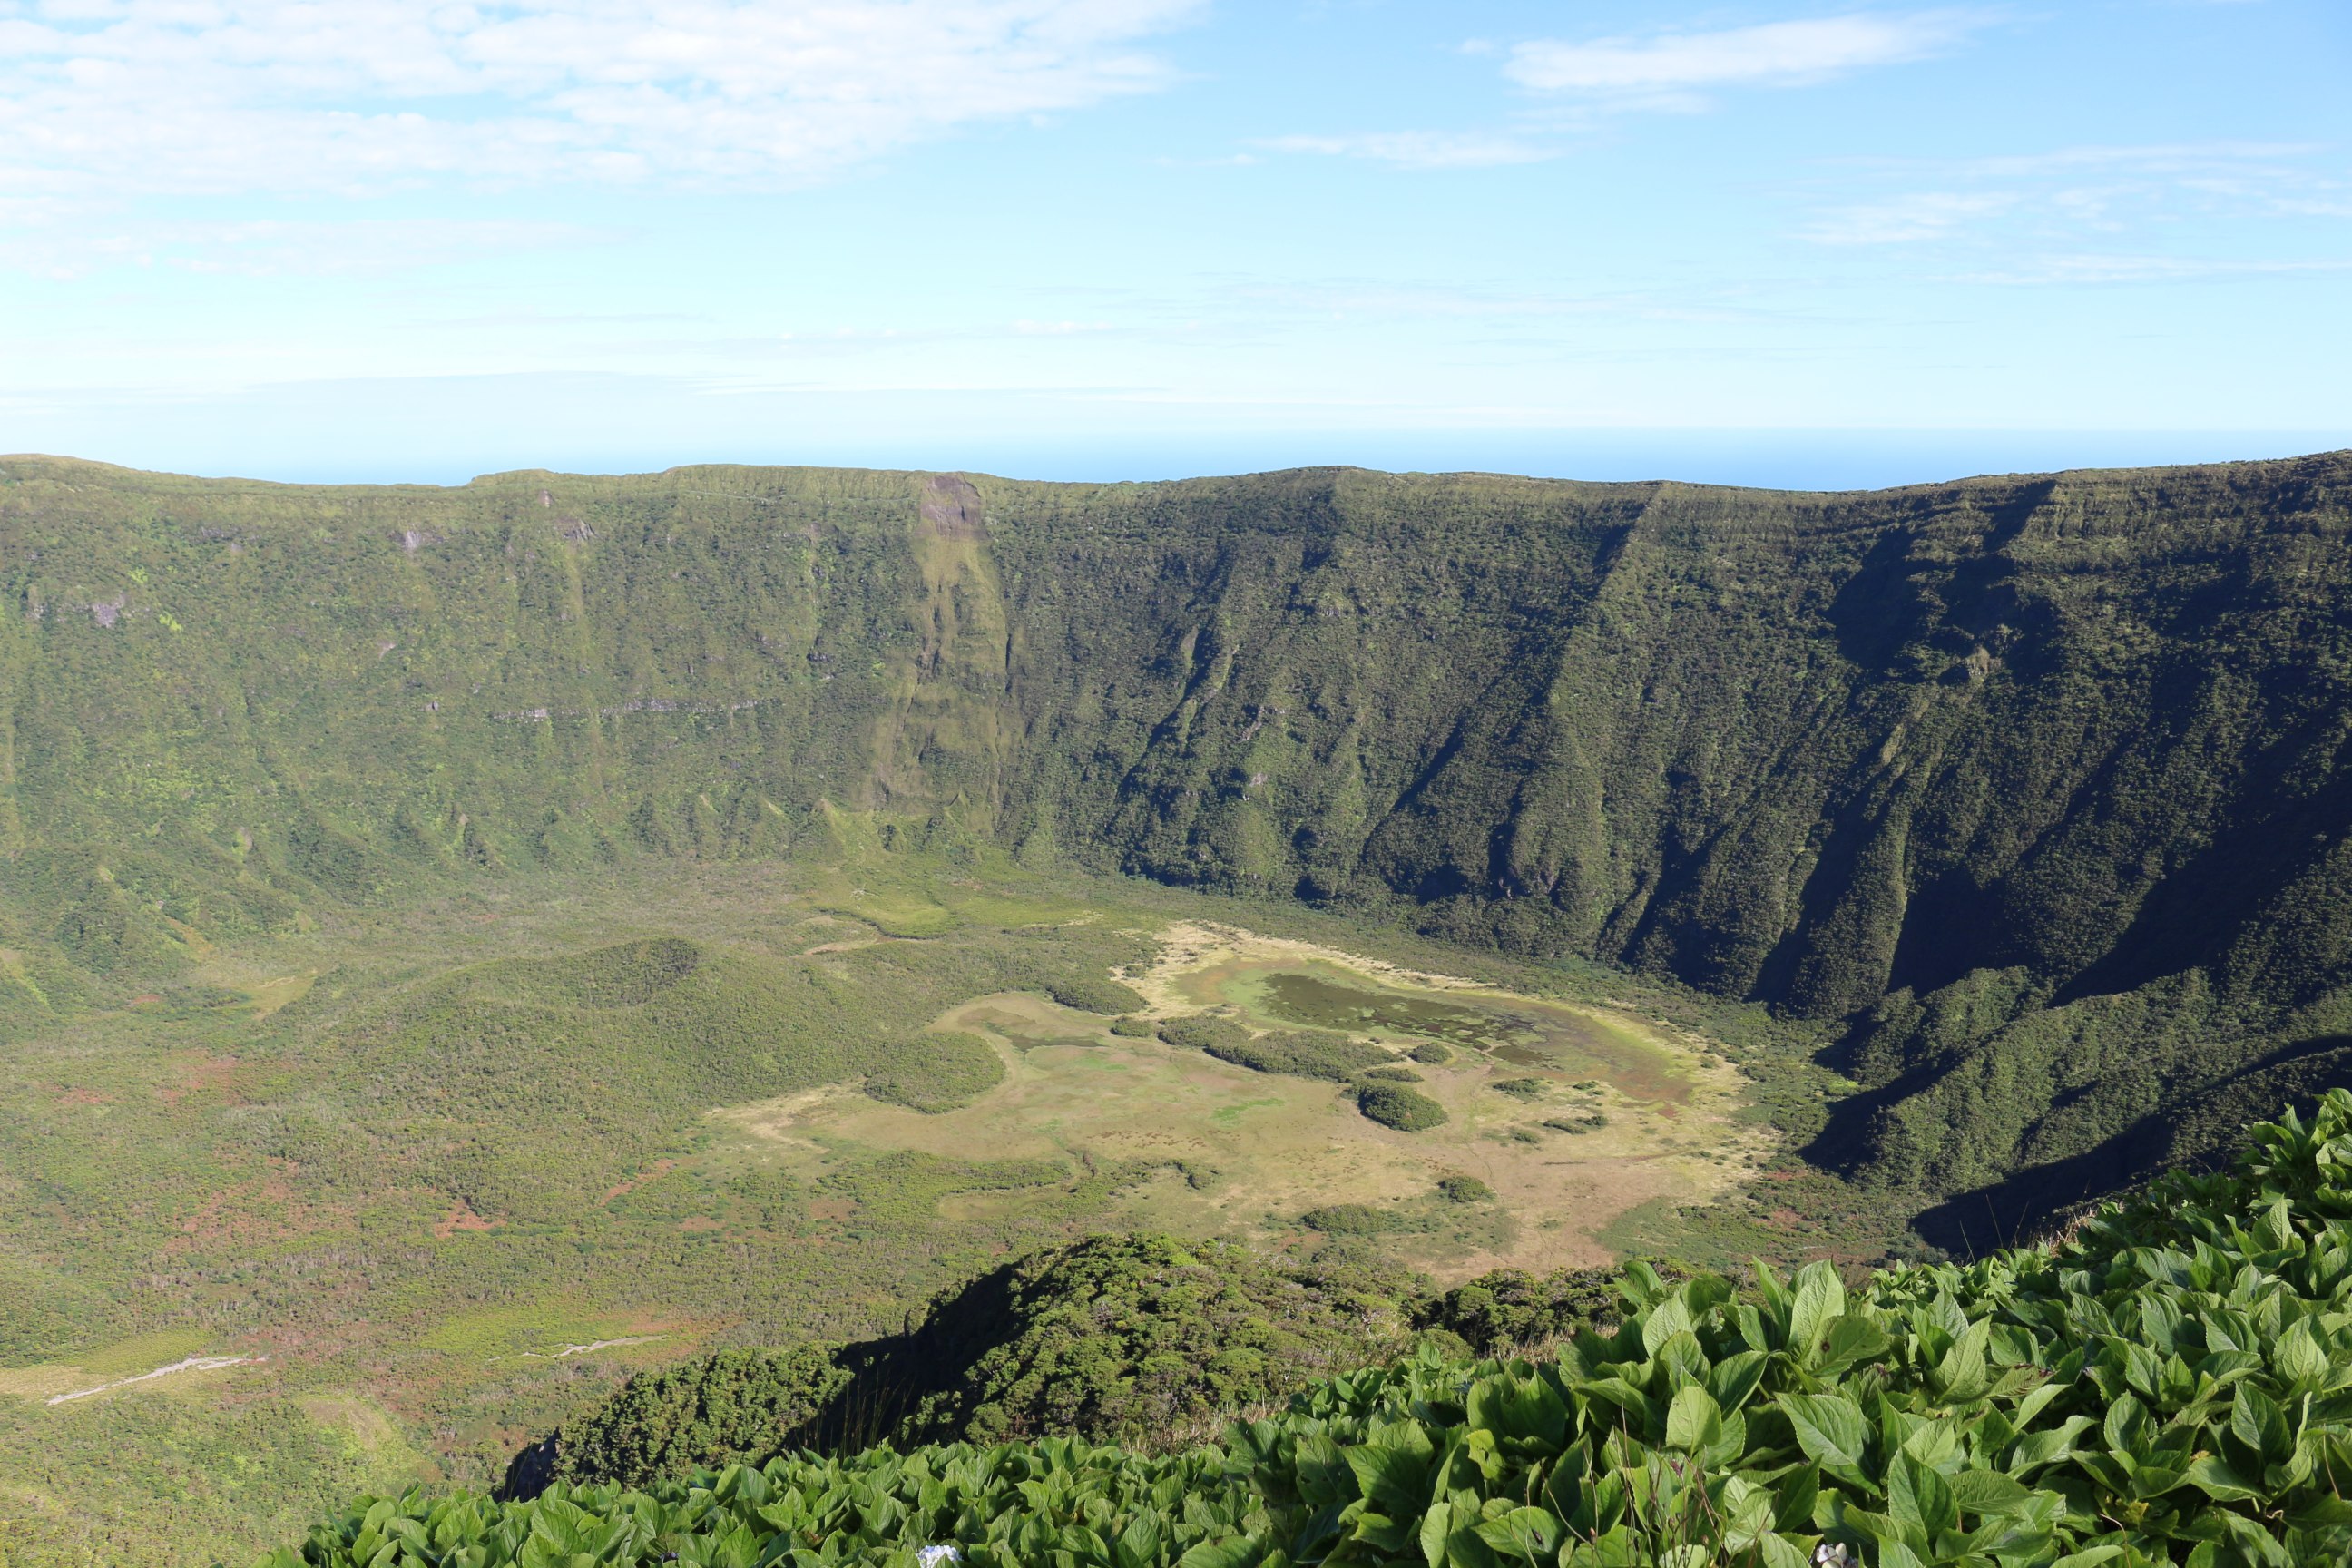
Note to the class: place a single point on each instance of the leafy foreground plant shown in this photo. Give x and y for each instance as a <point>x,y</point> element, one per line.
<point>2172,1385</point>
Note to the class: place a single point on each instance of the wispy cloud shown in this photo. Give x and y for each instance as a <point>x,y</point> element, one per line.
<point>279,248</point>
<point>1903,219</point>
<point>2152,269</point>
<point>1419,149</point>
<point>115,98</point>
<point>2061,202</point>
<point>1668,67</point>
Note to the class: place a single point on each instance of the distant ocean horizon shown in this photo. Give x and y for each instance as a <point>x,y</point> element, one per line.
<point>445,430</point>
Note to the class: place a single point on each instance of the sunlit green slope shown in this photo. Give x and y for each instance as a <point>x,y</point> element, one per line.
<point>2027,788</point>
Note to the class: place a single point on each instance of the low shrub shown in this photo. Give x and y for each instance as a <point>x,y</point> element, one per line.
<point>1092,993</point>
<point>1394,1105</point>
<point>1520,1087</point>
<point>1131,1027</point>
<point>1203,1032</point>
<point>1391,1075</point>
<point>1351,1219</point>
<point>1432,1054</point>
<point>1302,1053</point>
<point>705,1414</point>
<point>933,1073</point>
<point>1458,1189</point>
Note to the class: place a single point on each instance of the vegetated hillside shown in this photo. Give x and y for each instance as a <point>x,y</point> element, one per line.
<point>1140,1339</point>
<point>2026,787</point>
<point>2169,1386</point>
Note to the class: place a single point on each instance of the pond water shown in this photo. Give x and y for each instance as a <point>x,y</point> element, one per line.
<point>1522,1030</point>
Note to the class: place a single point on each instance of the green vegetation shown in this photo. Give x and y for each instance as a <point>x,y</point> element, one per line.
<point>698,1415</point>
<point>2015,787</point>
<point>1353,1219</point>
<point>2167,1387</point>
<point>1298,1053</point>
<point>1092,993</point>
<point>1394,1105</point>
<point>1464,1190</point>
<point>1393,1075</point>
<point>1510,1311</point>
<point>1138,1337</point>
<point>1205,1032</point>
<point>413,896</point>
<point>1520,1087</point>
<point>936,1072</point>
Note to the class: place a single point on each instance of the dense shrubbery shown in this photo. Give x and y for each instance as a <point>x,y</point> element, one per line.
<point>2171,1385</point>
<point>1302,1053</point>
<point>1095,993</point>
<point>1511,1311</point>
<point>935,1073</point>
<point>1293,1053</point>
<point>1458,1189</point>
<point>1394,1105</point>
<point>1203,1032</point>
<point>1132,1336</point>
<point>700,1415</point>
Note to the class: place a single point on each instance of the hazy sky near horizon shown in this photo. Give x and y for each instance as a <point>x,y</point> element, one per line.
<point>1774,242</point>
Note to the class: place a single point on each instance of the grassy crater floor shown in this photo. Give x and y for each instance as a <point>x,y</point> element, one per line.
<point>1608,1112</point>
<point>376,1201</point>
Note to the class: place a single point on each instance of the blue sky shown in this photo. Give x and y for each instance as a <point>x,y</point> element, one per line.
<point>1762,243</point>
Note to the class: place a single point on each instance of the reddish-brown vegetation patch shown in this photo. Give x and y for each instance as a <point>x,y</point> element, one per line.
<point>461,1217</point>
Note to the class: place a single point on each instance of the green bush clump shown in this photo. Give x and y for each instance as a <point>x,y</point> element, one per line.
<point>1394,1105</point>
<point>1132,1336</point>
<point>1391,1075</point>
<point>1131,1027</point>
<point>1520,1087</point>
<point>1138,1337</point>
<point>1590,1121</point>
<point>933,1073</point>
<point>705,1414</point>
<point>1458,1189</point>
<point>1351,1219</point>
<point>1431,1054</point>
<point>1092,993</point>
<point>1301,1053</point>
<point>1512,1310</point>
<point>1203,1032</point>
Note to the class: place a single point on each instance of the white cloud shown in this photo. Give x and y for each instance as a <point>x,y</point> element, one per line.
<point>2073,197</point>
<point>1418,149</point>
<point>2152,269</point>
<point>1668,67</point>
<point>117,97</point>
<point>1921,215</point>
<point>276,247</point>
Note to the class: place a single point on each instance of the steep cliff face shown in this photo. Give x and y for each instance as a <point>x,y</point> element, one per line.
<point>2030,785</point>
